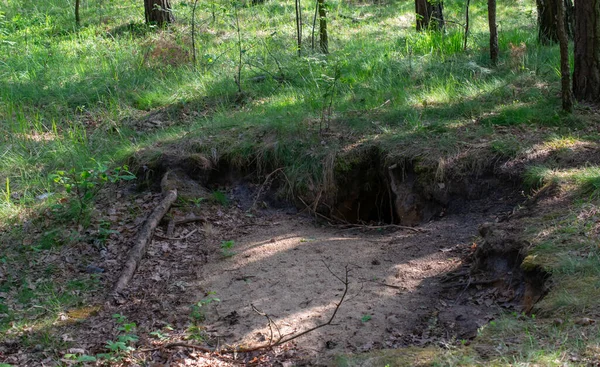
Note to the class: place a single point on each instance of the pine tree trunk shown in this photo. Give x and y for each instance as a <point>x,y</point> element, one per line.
<point>299,26</point>
<point>323,41</point>
<point>430,15</point>
<point>158,12</point>
<point>586,75</point>
<point>493,31</point>
<point>466,38</point>
<point>565,69</point>
<point>547,15</point>
<point>77,18</point>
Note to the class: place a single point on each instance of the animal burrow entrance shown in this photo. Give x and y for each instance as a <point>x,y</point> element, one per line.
<point>399,295</point>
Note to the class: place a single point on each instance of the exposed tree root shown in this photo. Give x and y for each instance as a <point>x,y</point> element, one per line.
<point>141,241</point>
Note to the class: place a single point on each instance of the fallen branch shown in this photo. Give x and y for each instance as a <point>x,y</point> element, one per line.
<point>271,344</point>
<point>271,323</point>
<point>141,241</point>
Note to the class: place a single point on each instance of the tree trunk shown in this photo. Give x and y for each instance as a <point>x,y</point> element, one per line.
<point>77,18</point>
<point>299,26</point>
<point>158,12</point>
<point>586,75</point>
<point>493,31</point>
<point>323,42</point>
<point>565,69</point>
<point>194,33</point>
<point>547,15</point>
<point>466,24</point>
<point>430,14</point>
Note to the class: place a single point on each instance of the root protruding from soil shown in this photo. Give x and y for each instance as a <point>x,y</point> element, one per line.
<point>141,241</point>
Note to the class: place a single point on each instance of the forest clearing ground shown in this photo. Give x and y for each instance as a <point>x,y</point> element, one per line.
<point>278,262</point>
<point>115,92</point>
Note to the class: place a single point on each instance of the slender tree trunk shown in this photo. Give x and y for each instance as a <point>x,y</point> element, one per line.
<point>299,26</point>
<point>240,52</point>
<point>565,69</point>
<point>430,15</point>
<point>468,3</point>
<point>493,31</point>
<point>77,18</point>
<point>194,33</point>
<point>586,75</point>
<point>323,42</point>
<point>547,20</point>
<point>314,26</point>
<point>158,12</point>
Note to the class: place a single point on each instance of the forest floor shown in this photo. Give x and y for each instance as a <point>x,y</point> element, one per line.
<point>450,291</point>
<point>285,264</point>
<point>290,169</point>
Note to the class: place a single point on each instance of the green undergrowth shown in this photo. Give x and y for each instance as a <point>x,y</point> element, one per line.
<point>115,91</point>
<point>114,87</point>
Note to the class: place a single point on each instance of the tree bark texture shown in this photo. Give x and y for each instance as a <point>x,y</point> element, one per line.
<point>565,69</point>
<point>586,75</point>
<point>158,12</point>
<point>468,3</point>
<point>493,31</point>
<point>430,14</point>
<point>323,41</point>
<point>299,26</point>
<point>547,20</point>
<point>77,17</point>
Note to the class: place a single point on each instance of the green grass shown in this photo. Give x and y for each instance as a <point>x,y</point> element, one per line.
<point>78,93</point>
<point>115,90</point>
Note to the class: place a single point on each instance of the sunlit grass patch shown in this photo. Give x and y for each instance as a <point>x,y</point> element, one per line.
<point>585,180</point>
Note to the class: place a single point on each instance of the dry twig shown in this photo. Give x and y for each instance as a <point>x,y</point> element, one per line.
<point>329,220</point>
<point>263,186</point>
